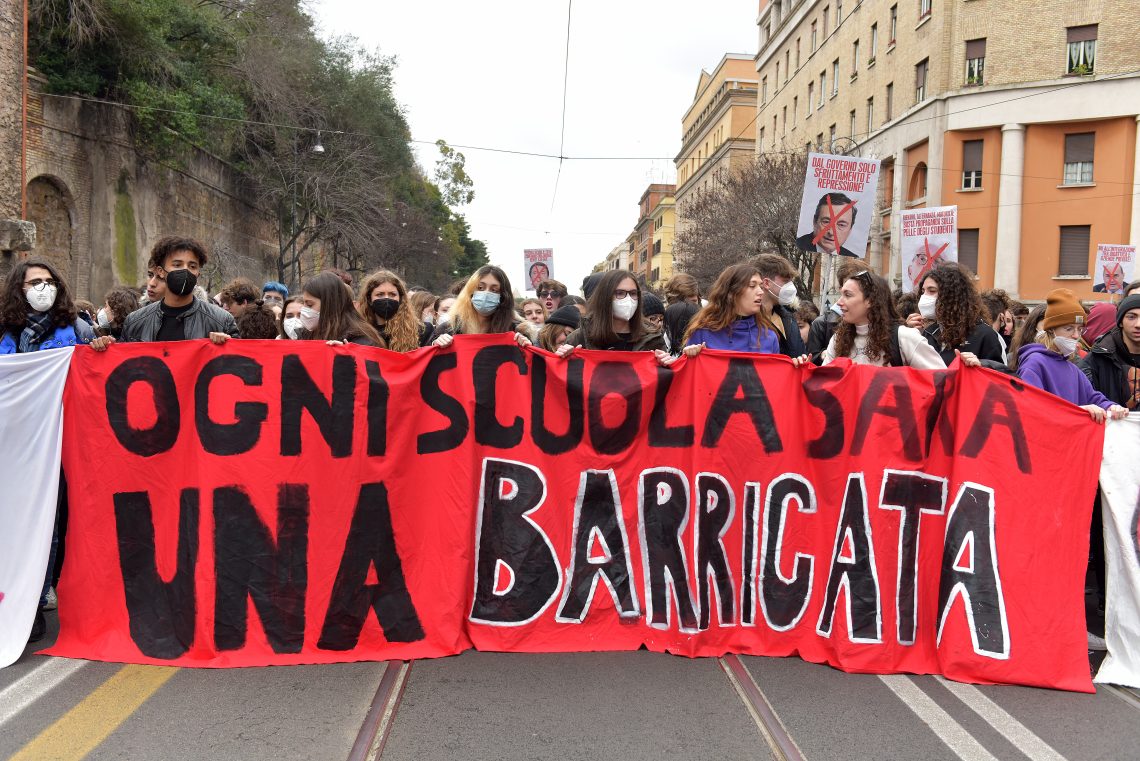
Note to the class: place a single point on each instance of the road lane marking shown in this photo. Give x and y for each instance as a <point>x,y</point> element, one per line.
<point>773,731</point>
<point>35,684</point>
<point>997,717</point>
<point>84,727</point>
<point>932,715</point>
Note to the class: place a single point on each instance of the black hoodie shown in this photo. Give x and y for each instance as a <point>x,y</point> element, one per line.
<point>1113,370</point>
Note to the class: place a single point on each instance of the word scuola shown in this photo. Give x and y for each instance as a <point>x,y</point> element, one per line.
<point>741,391</point>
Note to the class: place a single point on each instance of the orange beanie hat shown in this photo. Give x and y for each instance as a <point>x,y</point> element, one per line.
<point>1063,308</point>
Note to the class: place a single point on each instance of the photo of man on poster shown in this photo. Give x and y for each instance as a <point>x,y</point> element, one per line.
<point>824,236</point>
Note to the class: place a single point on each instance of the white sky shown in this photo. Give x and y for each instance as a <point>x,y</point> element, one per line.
<point>490,74</point>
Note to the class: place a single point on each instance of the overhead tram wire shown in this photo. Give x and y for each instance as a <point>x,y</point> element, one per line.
<point>565,89</point>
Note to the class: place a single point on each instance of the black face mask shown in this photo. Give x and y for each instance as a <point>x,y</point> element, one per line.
<point>181,282</point>
<point>385,309</point>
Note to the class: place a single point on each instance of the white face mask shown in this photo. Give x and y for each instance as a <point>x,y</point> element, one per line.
<point>103,318</point>
<point>1065,346</point>
<point>309,318</point>
<point>926,304</point>
<point>786,295</point>
<point>41,298</point>
<point>625,307</point>
<point>292,326</point>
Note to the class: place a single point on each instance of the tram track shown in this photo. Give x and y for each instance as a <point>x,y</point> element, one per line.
<point>377,725</point>
<point>775,734</point>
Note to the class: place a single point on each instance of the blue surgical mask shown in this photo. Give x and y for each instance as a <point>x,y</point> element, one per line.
<point>485,302</point>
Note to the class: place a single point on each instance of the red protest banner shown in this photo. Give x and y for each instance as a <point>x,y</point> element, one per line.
<point>287,502</point>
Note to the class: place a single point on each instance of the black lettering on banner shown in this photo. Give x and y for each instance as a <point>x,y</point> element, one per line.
<point>333,416</point>
<point>663,507</point>
<point>621,379</point>
<point>902,411</point>
<point>913,495</point>
<point>753,401</point>
<point>970,537</point>
<point>371,543</point>
<point>507,539</point>
<point>448,438</point>
<point>987,416</point>
<point>161,613</point>
<point>546,440</point>
<point>598,518</point>
<point>161,436</point>
<point>784,599</point>
<point>749,559</point>
<point>830,441</point>
<point>484,374</point>
<point>854,572</point>
<point>251,566</point>
<point>377,409</point>
<point>660,434</point>
<point>242,435</point>
<point>945,382</point>
<point>716,507</point>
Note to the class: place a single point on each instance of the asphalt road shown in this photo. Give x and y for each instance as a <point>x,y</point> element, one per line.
<point>638,706</point>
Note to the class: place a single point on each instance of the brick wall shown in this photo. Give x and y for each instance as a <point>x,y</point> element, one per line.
<point>11,64</point>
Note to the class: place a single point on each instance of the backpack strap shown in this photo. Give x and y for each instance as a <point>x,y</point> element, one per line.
<point>896,349</point>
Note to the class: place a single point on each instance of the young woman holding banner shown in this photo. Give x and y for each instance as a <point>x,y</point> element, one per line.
<point>329,315</point>
<point>869,332</point>
<point>613,319</point>
<point>948,297</point>
<point>484,305</point>
<point>384,303</point>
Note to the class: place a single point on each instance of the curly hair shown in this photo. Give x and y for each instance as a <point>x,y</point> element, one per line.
<point>257,321</point>
<point>240,291</point>
<point>14,306</point>
<point>682,287</point>
<point>121,301</point>
<point>403,329</point>
<point>881,317</point>
<point>168,245</point>
<point>996,301</point>
<point>959,308</point>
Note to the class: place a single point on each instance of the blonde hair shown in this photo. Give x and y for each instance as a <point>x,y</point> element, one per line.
<point>464,318</point>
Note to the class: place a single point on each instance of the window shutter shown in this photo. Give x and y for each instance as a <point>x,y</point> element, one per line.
<point>1082,33</point>
<point>975,49</point>
<point>968,249</point>
<point>1074,250</point>
<point>1079,147</point>
<point>920,75</point>
<point>972,155</point>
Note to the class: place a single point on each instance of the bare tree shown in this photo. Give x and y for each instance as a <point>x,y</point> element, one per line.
<point>751,210</point>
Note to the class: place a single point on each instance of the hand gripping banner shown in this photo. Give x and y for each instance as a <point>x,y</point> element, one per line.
<point>287,502</point>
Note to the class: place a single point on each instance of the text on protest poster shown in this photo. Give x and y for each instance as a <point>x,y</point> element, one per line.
<point>928,238</point>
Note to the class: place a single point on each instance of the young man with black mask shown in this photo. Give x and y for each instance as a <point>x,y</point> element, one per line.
<point>178,316</point>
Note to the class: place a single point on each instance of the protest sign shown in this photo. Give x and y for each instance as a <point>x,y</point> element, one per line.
<point>928,237</point>
<point>1114,268</point>
<point>1120,504</point>
<point>286,502</point>
<point>836,211</point>
<point>31,427</point>
<point>538,264</point>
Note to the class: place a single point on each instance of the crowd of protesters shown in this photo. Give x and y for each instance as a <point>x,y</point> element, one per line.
<point>1090,357</point>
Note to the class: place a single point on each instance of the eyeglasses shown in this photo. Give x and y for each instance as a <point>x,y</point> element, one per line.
<point>620,293</point>
<point>550,294</point>
<point>40,283</point>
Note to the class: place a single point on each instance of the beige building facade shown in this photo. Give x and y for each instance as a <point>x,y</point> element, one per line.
<point>1023,114</point>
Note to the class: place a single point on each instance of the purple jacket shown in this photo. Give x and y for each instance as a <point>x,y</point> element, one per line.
<point>741,335</point>
<point>1051,372</point>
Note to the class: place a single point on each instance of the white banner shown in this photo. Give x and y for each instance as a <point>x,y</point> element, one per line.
<point>928,236</point>
<point>1114,267</point>
<point>1120,501</point>
<point>538,264</point>
<point>31,436</point>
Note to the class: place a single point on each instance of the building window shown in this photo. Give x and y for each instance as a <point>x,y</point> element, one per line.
<point>835,77</point>
<point>785,129</point>
<point>851,132</point>
<point>855,58</point>
<point>819,142</point>
<point>831,138</point>
<point>975,61</point>
<point>874,43</point>
<point>773,130</point>
<point>787,64</point>
<point>1079,158</point>
<point>917,190</point>
<point>795,109</point>
<point>776,79</point>
<point>811,90</point>
<point>822,87</point>
<point>826,15</point>
<point>1074,259</point>
<point>920,81</point>
<point>870,115</point>
<point>797,53</point>
<point>813,37</point>
<point>968,249</point>
<point>1082,49</point>
<point>894,25</point>
<point>761,139</point>
<point>838,12</point>
<point>890,101</point>
<point>924,8</point>
<point>764,90</point>
<point>972,165</point>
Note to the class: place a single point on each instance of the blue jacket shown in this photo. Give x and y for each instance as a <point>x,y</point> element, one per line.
<point>744,335</point>
<point>73,335</point>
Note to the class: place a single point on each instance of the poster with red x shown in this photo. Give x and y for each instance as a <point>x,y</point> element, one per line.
<point>929,237</point>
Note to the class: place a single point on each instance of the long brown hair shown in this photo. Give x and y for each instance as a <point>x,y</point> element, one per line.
<point>959,307</point>
<point>720,312</point>
<point>339,319</point>
<point>681,287</point>
<point>600,307</point>
<point>14,305</point>
<point>1026,335</point>
<point>404,327</point>
<point>881,317</point>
